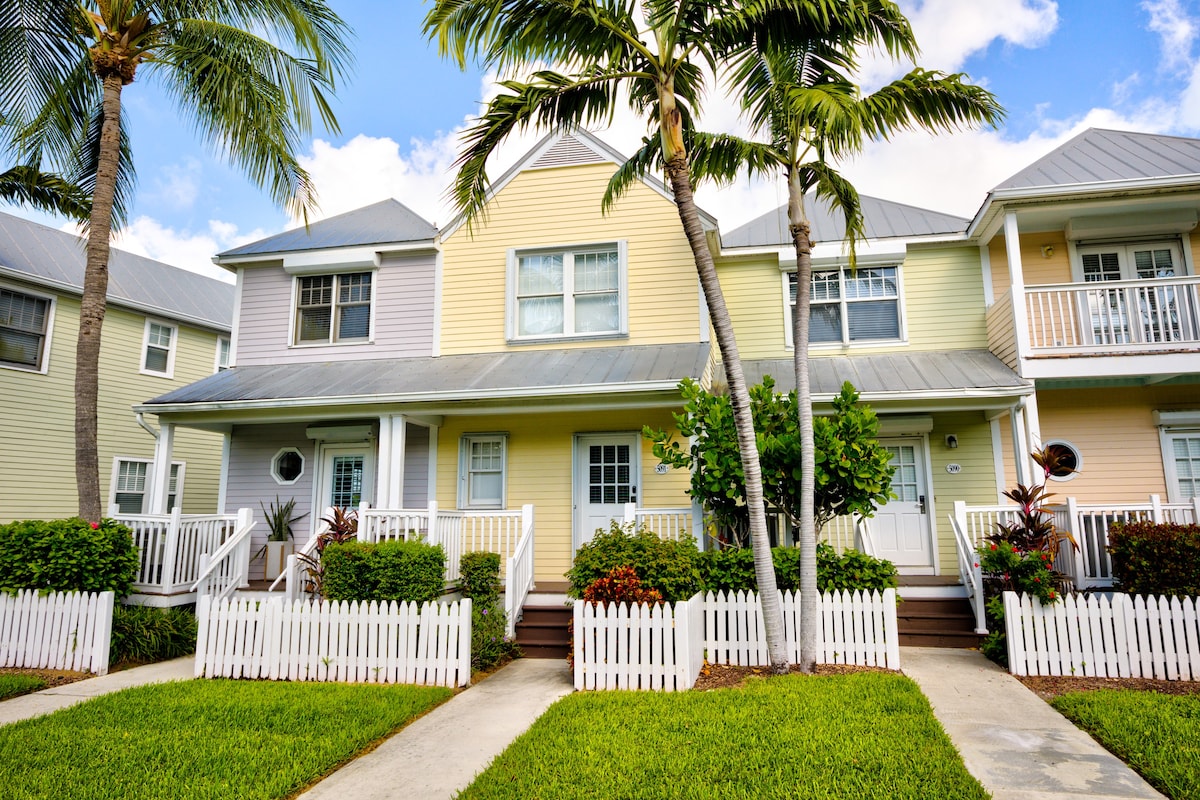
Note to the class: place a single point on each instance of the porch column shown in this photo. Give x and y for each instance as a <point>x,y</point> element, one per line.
<point>160,480</point>
<point>1020,444</point>
<point>1016,279</point>
<point>389,474</point>
<point>1033,425</point>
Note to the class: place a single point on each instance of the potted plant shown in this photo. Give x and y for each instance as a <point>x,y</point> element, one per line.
<point>279,537</point>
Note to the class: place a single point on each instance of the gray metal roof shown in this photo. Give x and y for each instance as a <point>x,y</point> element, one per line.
<point>950,372</point>
<point>385,222</point>
<point>427,378</point>
<point>53,257</point>
<point>1099,155</point>
<point>883,220</point>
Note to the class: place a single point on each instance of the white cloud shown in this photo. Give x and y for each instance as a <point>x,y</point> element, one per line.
<point>1171,22</point>
<point>177,186</point>
<point>188,250</point>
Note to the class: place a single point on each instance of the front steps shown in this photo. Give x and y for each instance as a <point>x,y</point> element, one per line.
<point>937,622</point>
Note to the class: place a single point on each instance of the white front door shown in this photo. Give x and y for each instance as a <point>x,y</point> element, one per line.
<point>347,477</point>
<point>901,528</point>
<point>606,478</point>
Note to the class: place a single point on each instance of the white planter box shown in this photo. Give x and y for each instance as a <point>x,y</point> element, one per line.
<point>276,559</point>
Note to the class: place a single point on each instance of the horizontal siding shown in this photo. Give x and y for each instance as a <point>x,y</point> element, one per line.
<point>404,308</point>
<point>1002,338</point>
<point>974,483</point>
<point>561,207</point>
<point>1035,267</point>
<point>754,295</point>
<point>416,466</point>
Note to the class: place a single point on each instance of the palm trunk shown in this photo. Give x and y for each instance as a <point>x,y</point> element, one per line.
<point>809,596</point>
<point>764,567</point>
<point>93,303</point>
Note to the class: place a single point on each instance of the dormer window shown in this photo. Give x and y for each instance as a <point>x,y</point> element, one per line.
<point>333,309</point>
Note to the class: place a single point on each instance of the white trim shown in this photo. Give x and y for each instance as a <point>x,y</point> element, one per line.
<point>1171,478</point>
<point>439,272</point>
<point>321,476</point>
<point>217,359</point>
<point>223,479</point>
<point>998,458</point>
<point>464,457</point>
<point>329,255</point>
<point>334,318</point>
<point>235,333</point>
<point>846,343</point>
<point>920,444</point>
<point>634,439</point>
<point>1189,418</point>
<point>431,482</point>
<point>274,471</point>
<point>169,372</point>
<point>1070,476</point>
<point>567,251</point>
<point>181,471</point>
<point>51,305</point>
<point>985,266</point>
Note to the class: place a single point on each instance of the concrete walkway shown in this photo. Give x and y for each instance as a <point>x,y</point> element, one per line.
<point>48,700</point>
<point>1010,739</point>
<point>439,755</point>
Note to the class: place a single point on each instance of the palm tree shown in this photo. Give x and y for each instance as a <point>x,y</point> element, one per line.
<point>27,185</point>
<point>655,52</point>
<point>225,63</point>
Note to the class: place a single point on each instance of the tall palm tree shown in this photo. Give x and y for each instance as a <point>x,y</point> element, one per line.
<point>655,51</point>
<point>247,74</point>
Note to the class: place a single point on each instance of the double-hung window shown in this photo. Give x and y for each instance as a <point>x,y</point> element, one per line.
<point>1147,306</point>
<point>578,291</point>
<point>24,327</point>
<point>158,349</point>
<point>333,308</point>
<point>481,470</point>
<point>130,488</point>
<point>846,307</point>
<point>223,352</point>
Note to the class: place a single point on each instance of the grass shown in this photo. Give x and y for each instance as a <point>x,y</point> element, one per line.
<point>202,739</point>
<point>858,736</point>
<point>1156,734</point>
<point>13,685</point>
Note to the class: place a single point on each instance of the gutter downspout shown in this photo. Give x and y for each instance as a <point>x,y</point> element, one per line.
<point>140,418</point>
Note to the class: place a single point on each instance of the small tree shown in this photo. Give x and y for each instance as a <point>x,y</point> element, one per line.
<point>852,476</point>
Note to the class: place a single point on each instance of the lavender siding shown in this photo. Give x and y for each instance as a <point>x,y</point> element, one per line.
<point>404,295</point>
<point>416,466</point>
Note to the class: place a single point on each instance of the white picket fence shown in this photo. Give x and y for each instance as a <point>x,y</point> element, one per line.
<point>1121,636</point>
<point>639,646</point>
<point>63,630</point>
<point>353,642</point>
<point>855,628</point>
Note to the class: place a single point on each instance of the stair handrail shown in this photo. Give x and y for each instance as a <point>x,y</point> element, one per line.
<point>518,581</point>
<point>972,575</point>
<point>229,567</point>
<point>291,571</point>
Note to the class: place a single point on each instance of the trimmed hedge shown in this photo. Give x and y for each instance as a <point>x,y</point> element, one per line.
<point>67,555</point>
<point>671,567</point>
<point>732,570</point>
<point>144,635</point>
<point>479,577</point>
<point>1156,559</point>
<point>401,571</point>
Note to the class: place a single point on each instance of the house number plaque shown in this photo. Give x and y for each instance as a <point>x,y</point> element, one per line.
<point>954,469</point>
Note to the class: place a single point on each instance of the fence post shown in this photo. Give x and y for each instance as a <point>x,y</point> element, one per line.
<point>103,634</point>
<point>434,535</point>
<point>1013,624</point>
<point>170,552</point>
<point>891,629</point>
<point>1156,509</point>
<point>363,534</point>
<point>203,609</point>
<point>1196,510</point>
<point>113,509</point>
<point>245,519</point>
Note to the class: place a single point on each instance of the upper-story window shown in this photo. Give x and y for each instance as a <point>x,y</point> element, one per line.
<point>569,292</point>
<point>333,308</point>
<point>24,329</point>
<point>158,349</point>
<point>847,307</point>
<point>1138,311</point>
<point>223,351</point>
<point>1129,262</point>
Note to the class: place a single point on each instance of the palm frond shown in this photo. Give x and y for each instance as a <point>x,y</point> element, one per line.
<point>829,185</point>
<point>930,100</point>
<point>86,161</point>
<point>45,191</point>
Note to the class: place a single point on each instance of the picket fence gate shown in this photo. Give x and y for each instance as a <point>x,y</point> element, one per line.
<point>331,641</point>
<point>1117,636</point>
<point>61,630</point>
<point>855,628</point>
<point>650,646</point>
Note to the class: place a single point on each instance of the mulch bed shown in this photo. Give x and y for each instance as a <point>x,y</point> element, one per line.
<point>725,676</point>
<point>52,677</point>
<point>1049,687</point>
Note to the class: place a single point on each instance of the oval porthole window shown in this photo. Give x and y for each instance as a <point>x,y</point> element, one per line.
<point>1065,461</point>
<point>287,466</point>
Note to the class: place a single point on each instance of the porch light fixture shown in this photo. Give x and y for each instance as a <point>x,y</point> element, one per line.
<point>951,441</point>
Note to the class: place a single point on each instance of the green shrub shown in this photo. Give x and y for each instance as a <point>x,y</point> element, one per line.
<point>67,555</point>
<point>489,644</point>
<point>401,571</point>
<point>671,567</point>
<point>853,571</point>
<point>479,577</point>
<point>732,570</point>
<point>621,585</point>
<point>143,635</point>
<point>1156,559</point>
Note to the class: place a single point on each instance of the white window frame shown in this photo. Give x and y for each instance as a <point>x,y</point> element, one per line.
<point>169,372</point>
<point>1124,249</point>
<point>336,276</point>
<point>43,366</point>
<point>464,469</point>
<point>274,470</point>
<point>512,324</point>
<point>221,364</point>
<point>1070,476</point>
<point>1167,435</point>
<point>178,467</point>
<point>843,301</point>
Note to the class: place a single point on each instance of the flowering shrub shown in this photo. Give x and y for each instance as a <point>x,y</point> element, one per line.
<point>489,644</point>
<point>621,585</point>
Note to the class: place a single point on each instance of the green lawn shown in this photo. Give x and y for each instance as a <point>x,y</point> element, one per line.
<point>858,736</point>
<point>202,739</point>
<point>1156,734</point>
<point>13,685</point>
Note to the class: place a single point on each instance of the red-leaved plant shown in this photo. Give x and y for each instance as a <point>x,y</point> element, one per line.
<point>621,585</point>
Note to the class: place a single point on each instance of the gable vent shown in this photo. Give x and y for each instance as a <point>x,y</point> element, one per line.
<point>567,152</point>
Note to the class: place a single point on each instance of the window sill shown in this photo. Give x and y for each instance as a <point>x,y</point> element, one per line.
<point>153,374</point>
<point>319,345</point>
<point>585,337</point>
<point>862,345</point>
<point>31,370</point>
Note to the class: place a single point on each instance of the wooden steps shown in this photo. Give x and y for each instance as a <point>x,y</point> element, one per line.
<point>937,622</point>
<point>543,631</point>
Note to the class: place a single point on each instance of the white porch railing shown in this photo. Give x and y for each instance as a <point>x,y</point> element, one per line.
<point>170,546</point>
<point>518,578</point>
<point>1135,316</point>
<point>972,575</point>
<point>228,569</point>
<point>675,524</point>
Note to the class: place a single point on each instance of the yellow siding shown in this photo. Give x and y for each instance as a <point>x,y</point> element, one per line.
<point>1036,268</point>
<point>561,207</point>
<point>975,483</point>
<point>753,290</point>
<point>540,470</point>
<point>37,463</point>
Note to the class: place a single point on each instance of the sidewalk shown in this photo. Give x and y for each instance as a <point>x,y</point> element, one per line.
<point>47,700</point>
<point>440,754</point>
<point>1010,739</point>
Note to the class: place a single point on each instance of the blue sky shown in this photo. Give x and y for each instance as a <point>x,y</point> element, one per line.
<point>1058,68</point>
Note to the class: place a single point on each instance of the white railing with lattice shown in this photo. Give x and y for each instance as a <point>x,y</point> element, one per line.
<point>675,524</point>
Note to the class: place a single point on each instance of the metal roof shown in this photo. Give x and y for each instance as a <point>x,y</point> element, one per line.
<point>385,222</point>
<point>883,220</point>
<point>1099,155</point>
<point>458,376</point>
<point>51,257</point>
<point>934,372</point>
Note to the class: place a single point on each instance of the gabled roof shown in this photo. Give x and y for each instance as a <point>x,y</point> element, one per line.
<point>1098,155</point>
<point>385,222</point>
<point>883,220</point>
<point>50,257</point>
<point>576,148</point>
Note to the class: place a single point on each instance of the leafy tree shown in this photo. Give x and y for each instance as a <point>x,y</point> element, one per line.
<point>852,470</point>
<point>228,67</point>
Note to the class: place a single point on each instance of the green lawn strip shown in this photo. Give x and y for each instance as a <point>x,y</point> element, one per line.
<point>1156,734</point>
<point>202,739</point>
<point>860,736</point>
<point>13,685</point>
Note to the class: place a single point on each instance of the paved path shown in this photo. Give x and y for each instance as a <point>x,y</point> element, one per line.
<point>1010,739</point>
<point>48,700</point>
<point>440,754</point>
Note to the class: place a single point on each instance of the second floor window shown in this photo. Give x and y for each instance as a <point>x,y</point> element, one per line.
<point>333,308</point>
<point>23,328</point>
<point>846,306</point>
<point>223,348</point>
<point>158,355</point>
<point>571,292</point>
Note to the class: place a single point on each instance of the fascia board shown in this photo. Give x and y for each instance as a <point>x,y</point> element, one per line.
<point>331,256</point>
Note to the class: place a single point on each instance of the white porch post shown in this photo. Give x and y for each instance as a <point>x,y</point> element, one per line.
<point>389,475</point>
<point>160,486</point>
<point>1033,429</point>
<point>1016,278</point>
<point>1020,444</point>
